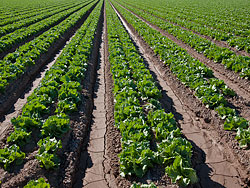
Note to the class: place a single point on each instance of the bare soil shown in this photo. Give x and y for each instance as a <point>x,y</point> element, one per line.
<point>91,172</point>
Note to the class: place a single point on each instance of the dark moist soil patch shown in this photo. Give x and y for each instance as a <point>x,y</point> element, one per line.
<point>72,141</point>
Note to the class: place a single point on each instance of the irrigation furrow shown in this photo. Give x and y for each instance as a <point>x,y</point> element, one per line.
<point>110,152</point>
<point>91,171</point>
<point>112,135</point>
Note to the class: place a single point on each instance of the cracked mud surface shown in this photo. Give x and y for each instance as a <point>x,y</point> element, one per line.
<point>94,174</point>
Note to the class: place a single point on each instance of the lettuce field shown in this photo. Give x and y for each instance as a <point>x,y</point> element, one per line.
<point>125,93</point>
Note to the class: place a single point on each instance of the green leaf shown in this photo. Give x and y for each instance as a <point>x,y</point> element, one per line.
<point>26,122</point>
<point>19,136</point>
<point>225,112</point>
<point>10,155</point>
<point>151,185</point>
<point>56,126</point>
<point>243,136</point>
<point>180,173</point>
<point>47,152</point>
<point>233,122</point>
<point>49,144</point>
<point>40,183</point>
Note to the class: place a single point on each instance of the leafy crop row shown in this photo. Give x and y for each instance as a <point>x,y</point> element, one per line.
<point>236,35</point>
<point>17,9</point>
<point>230,13</point>
<point>32,13</point>
<point>21,35</point>
<point>16,63</point>
<point>26,22</point>
<point>194,74</point>
<point>48,109</point>
<point>210,50</point>
<point>139,115</point>
<point>8,12</point>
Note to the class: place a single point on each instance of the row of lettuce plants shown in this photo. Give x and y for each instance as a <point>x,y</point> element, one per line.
<point>139,115</point>
<point>33,13</point>
<point>194,74</point>
<point>230,13</point>
<point>236,35</point>
<point>8,12</point>
<point>230,28</point>
<point>16,9</point>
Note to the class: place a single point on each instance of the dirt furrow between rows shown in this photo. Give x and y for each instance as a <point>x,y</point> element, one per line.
<point>92,169</point>
<point>78,144</point>
<point>217,42</point>
<point>112,135</point>
<point>16,89</point>
<point>231,79</point>
<point>213,160</point>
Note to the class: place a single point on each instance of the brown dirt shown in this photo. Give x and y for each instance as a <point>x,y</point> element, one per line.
<point>94,174</point>
<point>16,88</point>
<point>112,136</point>
<point>91,172</point>
<point>222,162</point>
<point>241,86</point>
<point>73,141</point>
